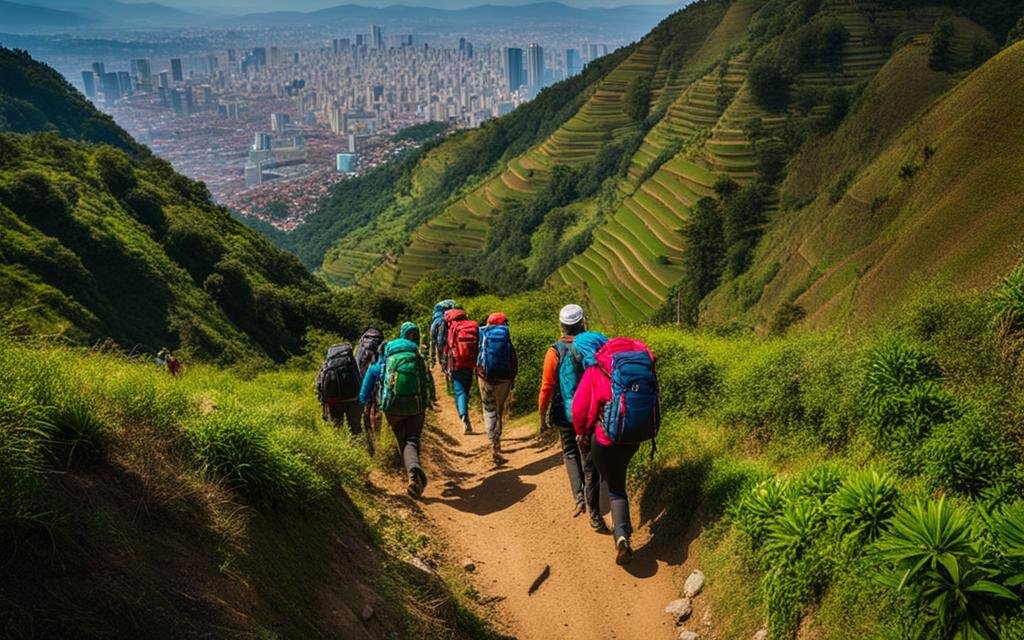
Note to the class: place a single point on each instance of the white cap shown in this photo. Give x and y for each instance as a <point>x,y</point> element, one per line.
<point>570,314</point>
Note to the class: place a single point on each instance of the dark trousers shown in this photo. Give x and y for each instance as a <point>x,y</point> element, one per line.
<point>612,463</point>
<point>341,412</point>
<point>584,479</point>
<point>407,430</point>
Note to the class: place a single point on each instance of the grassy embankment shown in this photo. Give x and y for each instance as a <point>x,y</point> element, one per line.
<point>133,503</point>
<point>841,487</point>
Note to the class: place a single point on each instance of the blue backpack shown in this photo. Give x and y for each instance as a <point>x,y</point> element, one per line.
<point>437,326</point>
<point>573,357</point>
<point>495,356</point>
<point>632,415</point>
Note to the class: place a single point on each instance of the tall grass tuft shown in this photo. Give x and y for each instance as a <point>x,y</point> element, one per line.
<point>1008,301</point>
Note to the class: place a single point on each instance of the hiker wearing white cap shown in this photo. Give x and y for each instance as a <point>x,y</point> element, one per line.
<point>562,370</point>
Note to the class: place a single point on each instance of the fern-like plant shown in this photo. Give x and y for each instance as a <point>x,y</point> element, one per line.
<point>1008,301</point>
<point>793,533</point>
<point>754,512</point>
<point>932,551</point>
<point>862,506</point>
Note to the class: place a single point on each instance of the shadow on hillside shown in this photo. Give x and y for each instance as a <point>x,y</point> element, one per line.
<point>497,491</point>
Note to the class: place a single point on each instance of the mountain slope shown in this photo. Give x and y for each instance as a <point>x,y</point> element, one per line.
<point>956,214</point>
<point>104,241</point>
<point>25,16</point>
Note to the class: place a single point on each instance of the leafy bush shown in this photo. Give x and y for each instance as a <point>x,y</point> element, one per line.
<point>969,453</point>
<point>754,513</point>
<point>932,554</point>
<point>861,506</point>
<point>1008,301</point>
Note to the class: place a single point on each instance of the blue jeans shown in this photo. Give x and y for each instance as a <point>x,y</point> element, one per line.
<point>462,381</point>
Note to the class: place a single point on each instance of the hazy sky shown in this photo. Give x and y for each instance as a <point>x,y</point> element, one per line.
<point>273,5</point>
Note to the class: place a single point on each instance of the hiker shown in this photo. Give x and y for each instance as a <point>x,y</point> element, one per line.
<point>496,371</point>
<point>337,388</point>
<point>438,333</point>
<point>367,352</point>
<point>615,409</point>
<point>563,367</point>
<point>405,389</point>
<point>461,347</point>
<point>173,364</point>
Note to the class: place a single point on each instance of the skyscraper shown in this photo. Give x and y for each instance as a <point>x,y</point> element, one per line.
<point>141,72</point>
<point>176,74</point>
<point>89,83</point>
<point>275,56</point>
<point>278,121</point>
<point>535,66</point>
<point>573,62</point>
<point>261,141</point>
<point>378,36</point>
<point>99,69</point>
<point>514,68</point>
<point>124,81</point>
<point>111,88</point>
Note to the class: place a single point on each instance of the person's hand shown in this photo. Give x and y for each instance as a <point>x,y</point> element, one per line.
<point>543,423</point>
<point>583,442</point>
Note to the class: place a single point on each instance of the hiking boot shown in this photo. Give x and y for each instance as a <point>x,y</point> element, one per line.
<point>623,552</point>
<point>579,509</point>
<point>417,482</point>
<point>598,524</point>
<point>469,428</point>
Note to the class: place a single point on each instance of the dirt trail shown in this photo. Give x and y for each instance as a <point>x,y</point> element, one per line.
<point>512,520</point>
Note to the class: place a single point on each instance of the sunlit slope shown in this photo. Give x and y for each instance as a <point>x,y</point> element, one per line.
<point>957,212</point>
<point>462,227</point>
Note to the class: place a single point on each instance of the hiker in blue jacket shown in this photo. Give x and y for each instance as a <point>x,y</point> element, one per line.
<point>403,389</point>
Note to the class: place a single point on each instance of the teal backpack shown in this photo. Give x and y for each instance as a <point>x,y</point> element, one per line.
<point>573,358</point>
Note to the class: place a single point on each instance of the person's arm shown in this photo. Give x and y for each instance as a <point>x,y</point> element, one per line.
<point>548,381</point>
<point>369,382</point>
<point>429,392</point>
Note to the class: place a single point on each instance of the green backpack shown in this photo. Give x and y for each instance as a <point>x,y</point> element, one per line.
<point>404,382</point>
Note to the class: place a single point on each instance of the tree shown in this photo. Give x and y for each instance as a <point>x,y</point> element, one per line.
<point>939,56</point>
<point>769,84</point>
<point>637,100</point>
<point>702,261</point>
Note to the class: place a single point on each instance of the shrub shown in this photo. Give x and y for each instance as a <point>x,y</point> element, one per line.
<point>755,511</point>
<point>76,424</point>
<point>969,453</point>
<point>861,507</point>
<point>769,84</point>
<point>940,53</point>
<point>1008,301</point>
<point>839,187</point>
<point>931,554</point>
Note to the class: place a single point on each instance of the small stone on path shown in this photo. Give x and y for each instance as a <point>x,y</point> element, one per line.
<point>469,565</point>
<point>679,609</point>
<point>688,635</point>
<point>367,612</point>
<point>694,583</point>
<point>762,634</point>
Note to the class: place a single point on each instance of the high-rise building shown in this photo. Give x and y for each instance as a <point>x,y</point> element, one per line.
<point>89,83</point>
<point>212,62</point>
<point>259,57</point>
<point>360,39</point>
<point>535,66</point>
<point>99,69</point>
<point>141,71</point>
<point>275,57</point>
<point>346,162</point>
<point>261,141</point>
<point>514,68</point>
<point>176,72</point>
<point>573,62</point>
<point>377,33</point>
<point>278,121</point>
<point>124,81</point>
<point>111,88</point>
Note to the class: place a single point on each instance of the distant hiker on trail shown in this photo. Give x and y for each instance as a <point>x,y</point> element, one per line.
<point>461,347</point>
<point>367,352</point>
<point>405,389</point>
<point>438,333</point>
<point>173,364</point>
<point>496,371</point>
<point>337,388</point>
<point>615,409</point>
<point>563,367</point>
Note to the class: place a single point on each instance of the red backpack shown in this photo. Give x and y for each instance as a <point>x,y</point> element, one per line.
<point>463,342</point>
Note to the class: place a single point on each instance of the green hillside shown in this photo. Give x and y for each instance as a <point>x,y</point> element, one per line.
<point>103,240</point>
<point>762,106</point>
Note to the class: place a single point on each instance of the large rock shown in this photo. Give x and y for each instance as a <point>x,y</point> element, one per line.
<point>679,609</point>
<point>694,583</point>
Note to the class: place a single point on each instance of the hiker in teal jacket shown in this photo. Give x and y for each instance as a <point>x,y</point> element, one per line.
<point>403,394</point>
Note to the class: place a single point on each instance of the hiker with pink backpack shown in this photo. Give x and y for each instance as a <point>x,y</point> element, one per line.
<point>614,410</point>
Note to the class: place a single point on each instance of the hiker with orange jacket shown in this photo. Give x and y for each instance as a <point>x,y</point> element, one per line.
<point>563,367</point>
<point>616,408</point>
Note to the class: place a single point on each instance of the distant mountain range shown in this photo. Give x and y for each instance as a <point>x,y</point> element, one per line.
<point>35,16</point>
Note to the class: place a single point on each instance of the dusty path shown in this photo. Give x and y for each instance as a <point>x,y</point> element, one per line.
<point>513,520</point>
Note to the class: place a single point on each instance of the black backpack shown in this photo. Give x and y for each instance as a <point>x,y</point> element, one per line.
<point>338,379</point>
<point>369,344</point>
